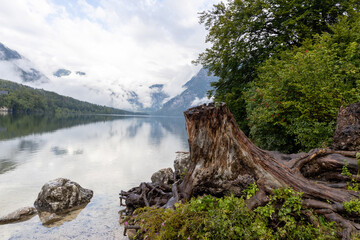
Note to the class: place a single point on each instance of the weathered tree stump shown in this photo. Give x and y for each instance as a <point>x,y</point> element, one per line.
<point>224,161</point>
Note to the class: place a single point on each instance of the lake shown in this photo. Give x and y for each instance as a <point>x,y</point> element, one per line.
<point>106,154</point>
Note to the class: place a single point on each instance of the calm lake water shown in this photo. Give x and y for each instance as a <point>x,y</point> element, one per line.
<point>102,153</point>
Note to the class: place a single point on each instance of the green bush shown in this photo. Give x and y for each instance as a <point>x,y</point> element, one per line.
<point>353,205</point>
<point>228,218</point>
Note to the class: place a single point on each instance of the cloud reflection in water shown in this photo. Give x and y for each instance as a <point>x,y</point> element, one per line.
<point>105,156</point>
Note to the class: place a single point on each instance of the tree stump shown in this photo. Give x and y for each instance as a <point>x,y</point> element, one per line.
<point>224,161</point>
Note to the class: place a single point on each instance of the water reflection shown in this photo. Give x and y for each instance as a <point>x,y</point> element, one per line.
<point>50,220</point>
<point>28,145</point>
<point>59,151</point>
<point>132,130</point>
<point>13,125</point>
<point>6,165</point>
<point>105,156</point>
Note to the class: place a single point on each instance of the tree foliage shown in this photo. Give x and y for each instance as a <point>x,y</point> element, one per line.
<point>297,96</point>
<point>245,34</point>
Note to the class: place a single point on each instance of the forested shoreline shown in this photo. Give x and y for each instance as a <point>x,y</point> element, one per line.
<point>24,99</point>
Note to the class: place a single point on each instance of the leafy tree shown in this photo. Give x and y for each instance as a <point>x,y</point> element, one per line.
<point>244,33</point>
<point>294,102</point>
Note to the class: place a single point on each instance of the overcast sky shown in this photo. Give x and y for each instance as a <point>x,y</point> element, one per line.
<point>128,43</point>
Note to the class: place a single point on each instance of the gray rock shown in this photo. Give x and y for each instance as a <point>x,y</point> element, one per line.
<point>181,163</point>
<point>347,133</point>
<point>62,195</point>
<point>163,176</point>
<point>19,215</point>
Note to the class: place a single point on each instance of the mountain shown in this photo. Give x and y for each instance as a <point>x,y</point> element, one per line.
<point>157,96</point>
<point>62,72</point>
<point>79,84</point>
<point>195,93</point>
<point>24,99</point>
<point>7,54</point>
<point>80,73</point>
<point>17,68</point>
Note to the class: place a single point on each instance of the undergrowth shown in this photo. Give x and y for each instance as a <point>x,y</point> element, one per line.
<point>353,185</point>
<point>206,217</point>
<point>352,206</point>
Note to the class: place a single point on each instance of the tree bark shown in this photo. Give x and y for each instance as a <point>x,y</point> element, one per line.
<point>224,161</point>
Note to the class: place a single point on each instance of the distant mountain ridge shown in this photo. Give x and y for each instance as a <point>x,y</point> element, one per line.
<point>16,68</point>
<point>194,94</point>
<point>62,72</point>
<point>13,64</point>
<point>7,54</point>
<point>24,99</point>
<point>153,99</point>
<point>158,96</point>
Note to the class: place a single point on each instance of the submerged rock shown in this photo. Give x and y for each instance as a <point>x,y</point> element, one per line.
<point>163,176</point>
<point>62,195</point>
<point>55,220</point>
<point>19,215</point>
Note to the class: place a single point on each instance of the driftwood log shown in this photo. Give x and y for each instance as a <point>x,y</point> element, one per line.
<point>224,161</point>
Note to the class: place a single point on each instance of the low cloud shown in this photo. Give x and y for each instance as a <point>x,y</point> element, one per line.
<point>203,100</point>
<point>119,44</point>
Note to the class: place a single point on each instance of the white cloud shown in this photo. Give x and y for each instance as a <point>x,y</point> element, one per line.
<point>201,101</point>
<point>130,43</point>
